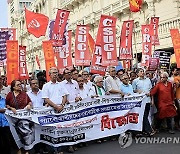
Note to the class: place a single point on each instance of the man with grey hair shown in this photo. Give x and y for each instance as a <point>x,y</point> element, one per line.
<point>144,85</point>
<point>53,93</point>
<point>112,83</point>
<point>98,86</point>
<point>126,87</point>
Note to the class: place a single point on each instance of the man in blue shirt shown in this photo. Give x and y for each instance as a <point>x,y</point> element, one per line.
<point>126,87</point>
<point>143,85</point>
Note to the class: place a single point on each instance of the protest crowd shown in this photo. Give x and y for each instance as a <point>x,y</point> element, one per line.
<point>162,103</point>
<point>83,95</point>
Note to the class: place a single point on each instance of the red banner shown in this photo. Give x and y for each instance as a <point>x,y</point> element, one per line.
<point>48,56</point>
<point>82,53</point>
<point>146,44</point>
<point>12,61</point>
<point>155,24</point>
<point>125,49</point>
<point>176,44</point>
<point>135,5</point>
<point>96,66</point>
<point>64,56</point>
<point>108,40</point>
<point>59,27</point>
<point>36,23</point>
<point>38,62</point>
<point>23,73</point>
<point>91,44</point>
<point>127,64</point>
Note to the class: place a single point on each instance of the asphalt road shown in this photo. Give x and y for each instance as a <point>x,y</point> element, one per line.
<point>113,147</point>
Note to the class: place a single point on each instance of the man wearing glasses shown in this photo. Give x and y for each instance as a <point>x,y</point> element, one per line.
<point>112,83</point>
<point>35,94</point>
<point>126,87</point>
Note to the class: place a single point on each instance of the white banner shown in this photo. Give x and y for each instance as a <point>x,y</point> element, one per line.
<point>87,120</point>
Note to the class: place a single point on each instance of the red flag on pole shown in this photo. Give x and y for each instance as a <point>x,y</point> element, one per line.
<point>108,40</point>
<point>23,73</point>
<point>146,44</point>
<point>38,62</point>
<point>125,49</point>
<point>91,43</point>
<point>82,54</point>
<point>155,24</point>
<point>135,5</point>
<point>96,66</point>
<point>175,36</point>
<point>59,27</point>
<point>36,23</point>
<point>64,57</point>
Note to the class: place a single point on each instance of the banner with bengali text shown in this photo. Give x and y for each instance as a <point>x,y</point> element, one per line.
<point>83,121</point>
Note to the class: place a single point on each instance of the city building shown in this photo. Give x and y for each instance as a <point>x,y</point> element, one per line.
<point>89,12</point>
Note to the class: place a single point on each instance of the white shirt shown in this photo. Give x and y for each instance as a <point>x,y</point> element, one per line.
<point>83,93</point>
<point>112,83</point>
<point>72,88</point>
<point>37,100</point>
<point>54,91</point>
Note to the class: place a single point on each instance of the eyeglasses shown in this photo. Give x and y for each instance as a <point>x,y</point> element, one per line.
<point>85,74</point>
<point>125,79</point>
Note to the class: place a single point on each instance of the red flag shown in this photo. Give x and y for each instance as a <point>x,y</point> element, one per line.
<point>82,54</point>
<point>96,66</point>
<point>91,43</point>
<point>64,57</point>
<point>38,62</point>
<point>36,23</point>
<point>146,44</point>
<point>135,5</point>
<point>125,49</point>
<point>23,73</point>
<point>12,61</point>
<point>154,26</point>
<point>175,36</point>
<point>108,40</point>
<point>59,27</point>
<point>48,56</point>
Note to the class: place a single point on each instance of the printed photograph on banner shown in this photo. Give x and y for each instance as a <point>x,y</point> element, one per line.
<point>83,121</point>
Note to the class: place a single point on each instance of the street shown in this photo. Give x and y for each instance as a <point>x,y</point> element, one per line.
<point>113,147</point>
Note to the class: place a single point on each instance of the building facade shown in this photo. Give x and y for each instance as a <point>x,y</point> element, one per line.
<point>89,12</point>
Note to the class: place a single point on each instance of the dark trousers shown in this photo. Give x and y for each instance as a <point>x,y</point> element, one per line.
<point>5,140</point>
<point>146,125</point>
<point>168,122</point>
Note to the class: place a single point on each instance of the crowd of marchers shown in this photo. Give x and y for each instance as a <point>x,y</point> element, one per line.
<point>161,88</point>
